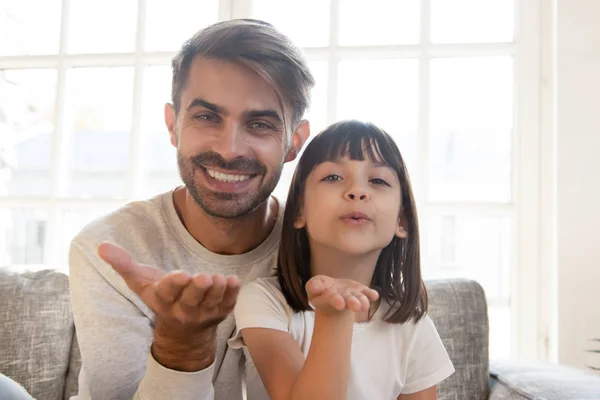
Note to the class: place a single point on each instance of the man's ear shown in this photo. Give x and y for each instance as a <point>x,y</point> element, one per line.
<point>299,137</point>
<point>402,226</point>
<point>171,122</point>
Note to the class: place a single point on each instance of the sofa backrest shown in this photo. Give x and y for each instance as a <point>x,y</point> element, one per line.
<point>36,329</point>
<point>38,344</point>
<point>458,309</point>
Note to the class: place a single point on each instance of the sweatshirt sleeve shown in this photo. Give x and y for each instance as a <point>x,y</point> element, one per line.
<point>114,331</point>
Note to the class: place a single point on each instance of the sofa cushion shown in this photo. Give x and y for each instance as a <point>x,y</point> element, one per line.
<point>458,309</point>
<point>542,380</point>
<point>36,329</point>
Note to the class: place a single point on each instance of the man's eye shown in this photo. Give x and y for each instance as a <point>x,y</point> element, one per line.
<point>332,178</point>
<point>259,125</point>
<point>205,117</point>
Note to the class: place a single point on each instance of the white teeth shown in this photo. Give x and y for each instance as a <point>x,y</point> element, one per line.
<point>220,176</point>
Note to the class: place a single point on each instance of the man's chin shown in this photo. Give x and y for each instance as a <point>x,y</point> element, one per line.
<point>228,205</point>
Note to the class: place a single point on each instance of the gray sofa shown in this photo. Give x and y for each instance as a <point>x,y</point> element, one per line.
<point>38,343</point>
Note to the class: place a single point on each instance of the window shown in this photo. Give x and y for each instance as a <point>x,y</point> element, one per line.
<point>82,131</point>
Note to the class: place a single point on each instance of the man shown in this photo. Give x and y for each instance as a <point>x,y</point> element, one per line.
<point>154,323</point>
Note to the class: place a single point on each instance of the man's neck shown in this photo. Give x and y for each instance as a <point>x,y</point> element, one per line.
<point>226,236</point>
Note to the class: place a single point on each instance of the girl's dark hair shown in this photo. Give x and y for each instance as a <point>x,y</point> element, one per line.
<point>397,274</point>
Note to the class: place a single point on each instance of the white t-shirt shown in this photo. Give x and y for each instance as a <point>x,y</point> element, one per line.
<point>387,359</point>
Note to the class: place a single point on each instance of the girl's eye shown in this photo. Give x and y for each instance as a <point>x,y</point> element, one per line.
<point>379,181</point>
<point>332,178</point>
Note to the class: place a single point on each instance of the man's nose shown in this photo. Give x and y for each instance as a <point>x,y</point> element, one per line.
<point>231,143</point>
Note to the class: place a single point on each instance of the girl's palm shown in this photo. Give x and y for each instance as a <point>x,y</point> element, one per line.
<point>333,295</point>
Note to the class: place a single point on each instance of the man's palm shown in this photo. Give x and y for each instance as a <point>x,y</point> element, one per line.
<point>200,300</point>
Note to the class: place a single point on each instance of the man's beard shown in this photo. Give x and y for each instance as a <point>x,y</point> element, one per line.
<point>223,204</point>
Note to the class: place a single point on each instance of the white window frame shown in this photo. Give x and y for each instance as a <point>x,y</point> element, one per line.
<point>530,327</point>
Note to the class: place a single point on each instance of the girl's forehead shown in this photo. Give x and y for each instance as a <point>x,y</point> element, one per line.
<point>368,161</point>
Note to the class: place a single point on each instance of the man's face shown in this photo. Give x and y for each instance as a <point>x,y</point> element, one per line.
<point>230,137</point>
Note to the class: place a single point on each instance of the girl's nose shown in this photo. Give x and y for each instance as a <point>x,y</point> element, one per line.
<point>356,194</point>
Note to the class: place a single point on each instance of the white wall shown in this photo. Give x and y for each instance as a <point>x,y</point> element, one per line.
<point>578,179</point>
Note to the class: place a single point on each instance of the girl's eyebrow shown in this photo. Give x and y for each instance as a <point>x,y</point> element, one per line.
<point>380,164</point>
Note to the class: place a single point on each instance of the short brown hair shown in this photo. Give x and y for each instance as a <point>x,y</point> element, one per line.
<point>397,274</point>
<point>254,44</point>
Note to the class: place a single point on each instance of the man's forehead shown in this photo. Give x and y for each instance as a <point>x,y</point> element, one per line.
<point>233,87</point>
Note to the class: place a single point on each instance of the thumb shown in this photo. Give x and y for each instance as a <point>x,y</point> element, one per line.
<point>138,277</point>
<point>118,258</point>
<point>315,286</point>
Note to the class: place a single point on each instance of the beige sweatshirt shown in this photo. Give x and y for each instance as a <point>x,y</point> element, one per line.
<point>115,328</point>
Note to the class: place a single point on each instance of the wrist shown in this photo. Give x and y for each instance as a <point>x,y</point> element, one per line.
<point>179,350</point>
<point>332,315</point>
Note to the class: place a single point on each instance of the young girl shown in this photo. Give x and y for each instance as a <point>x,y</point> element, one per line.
<point>345,317</point>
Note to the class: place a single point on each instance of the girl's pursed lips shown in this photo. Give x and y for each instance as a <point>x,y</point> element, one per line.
<point>356,215</point>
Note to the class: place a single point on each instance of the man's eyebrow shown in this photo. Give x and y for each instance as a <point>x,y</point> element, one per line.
<point>198,102</point>
<point>263,113</point>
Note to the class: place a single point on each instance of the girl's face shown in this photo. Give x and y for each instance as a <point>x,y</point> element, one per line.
<point>352,206</point>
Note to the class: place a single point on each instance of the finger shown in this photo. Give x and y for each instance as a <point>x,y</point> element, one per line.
<point>337,301</point>
<point>231,292</point>
<point>371,294</point>
<point>170,287</point>
<point>214,295</point>
<point>352,303</point>
<point>193,294</point>
<point>365,304</point>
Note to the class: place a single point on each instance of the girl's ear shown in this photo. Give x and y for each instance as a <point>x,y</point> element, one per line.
<point>402,227</point>
<point>299,223</point>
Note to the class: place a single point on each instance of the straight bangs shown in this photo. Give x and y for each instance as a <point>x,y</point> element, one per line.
<point>354,139</point>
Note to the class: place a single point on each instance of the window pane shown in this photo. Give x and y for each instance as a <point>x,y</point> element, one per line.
<point>472,21</point>
<point>477,247</point>
<point>22,235</point>
<point>99,102</point>
<point>316,115</point>
<point>171,23</point>
<point>159,159</point>
<point>384,92</point>
<point>470,157</point>
<point>317,112</point>
<point>500,332</point>
<point>379,22</point>
<point>305,22</point>
<point>23,32</point>
<point>102,26</point>
<point>26,126</point>
<point>71,223</point>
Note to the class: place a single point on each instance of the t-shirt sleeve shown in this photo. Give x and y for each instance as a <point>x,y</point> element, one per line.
<point>428,361</point>
<point>259,305</point>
